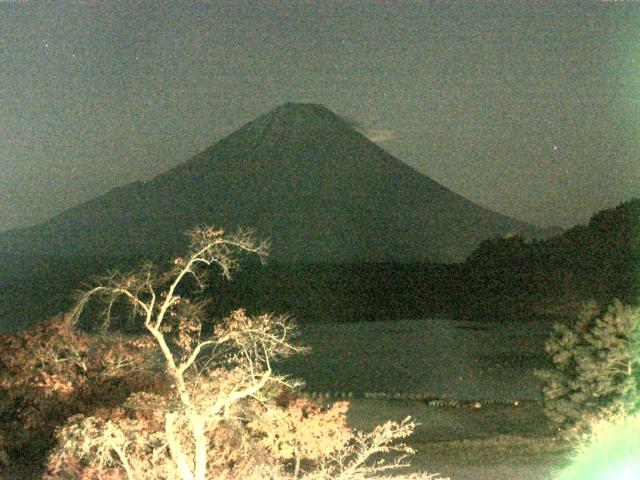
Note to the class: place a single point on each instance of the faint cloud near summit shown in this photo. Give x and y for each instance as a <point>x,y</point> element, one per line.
<point>378,134</point>
<point>374,134</point>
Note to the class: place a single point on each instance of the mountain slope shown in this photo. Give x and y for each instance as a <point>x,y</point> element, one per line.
<point>301,176</point>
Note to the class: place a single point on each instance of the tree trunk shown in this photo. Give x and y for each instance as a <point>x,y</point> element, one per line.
<point>200,444</point>
<point>176,449</point>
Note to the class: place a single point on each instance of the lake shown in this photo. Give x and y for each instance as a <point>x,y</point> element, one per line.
<point>435,357</point>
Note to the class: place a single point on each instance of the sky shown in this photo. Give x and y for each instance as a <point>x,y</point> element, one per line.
<point>531,109</point>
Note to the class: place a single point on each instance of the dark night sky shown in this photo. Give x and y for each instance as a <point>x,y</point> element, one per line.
<point>529,108</point>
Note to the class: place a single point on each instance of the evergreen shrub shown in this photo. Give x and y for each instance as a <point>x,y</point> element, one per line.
<point>596,366</point>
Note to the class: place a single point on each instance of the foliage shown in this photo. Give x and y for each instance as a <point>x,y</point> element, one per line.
<point>508,277</point>
<point>52,371</point>
<point>349,461</point>
<point>302,431</point>
<point>4,456</point>
<point>610,452</point>
<point>224,413</point>
<point>597,362</point>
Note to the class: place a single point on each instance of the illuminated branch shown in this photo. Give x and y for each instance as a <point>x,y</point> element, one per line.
<point>214,380</point>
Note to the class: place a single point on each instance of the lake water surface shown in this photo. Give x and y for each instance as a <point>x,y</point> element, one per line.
<point>436,357</point>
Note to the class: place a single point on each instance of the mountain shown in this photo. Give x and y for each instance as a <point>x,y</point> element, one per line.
<point>299,175</point>
<point>513,278</point>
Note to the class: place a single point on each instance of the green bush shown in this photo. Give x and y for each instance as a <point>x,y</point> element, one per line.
<point>596,364</point>
<point>610,452</point>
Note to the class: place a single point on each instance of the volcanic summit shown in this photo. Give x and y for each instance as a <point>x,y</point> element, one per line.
<point>300,175</point>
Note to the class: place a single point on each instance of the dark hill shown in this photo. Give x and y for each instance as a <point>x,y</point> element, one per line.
<point>300,175</point>
<point>597,261</point>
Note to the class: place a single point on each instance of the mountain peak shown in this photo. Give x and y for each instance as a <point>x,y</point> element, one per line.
<point>301,175</point>
<point>291,113</point>
<point>301,106</point>
<point>293,121</point>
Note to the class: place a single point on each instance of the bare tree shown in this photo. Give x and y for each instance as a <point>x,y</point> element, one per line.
<point>214,373</point>
<point>208,372</point>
